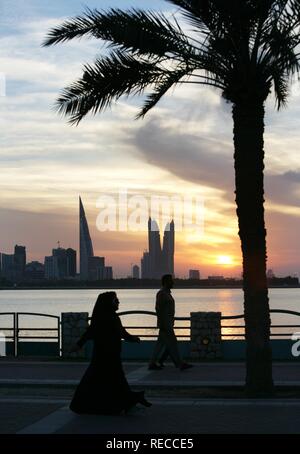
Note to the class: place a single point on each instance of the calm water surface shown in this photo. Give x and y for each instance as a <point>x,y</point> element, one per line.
<point>227,301</point>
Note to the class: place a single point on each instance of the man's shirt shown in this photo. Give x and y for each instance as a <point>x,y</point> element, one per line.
<point>165,309</point>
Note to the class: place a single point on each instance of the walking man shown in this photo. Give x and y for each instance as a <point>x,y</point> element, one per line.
<point>167,341</point>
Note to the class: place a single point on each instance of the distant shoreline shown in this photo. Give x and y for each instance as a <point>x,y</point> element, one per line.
<point>118,287</point>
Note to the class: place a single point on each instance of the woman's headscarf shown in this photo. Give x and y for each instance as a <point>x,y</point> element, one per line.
<point>103,307</point>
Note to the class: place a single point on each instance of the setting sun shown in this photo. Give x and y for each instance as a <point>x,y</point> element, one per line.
<point>224,260</point>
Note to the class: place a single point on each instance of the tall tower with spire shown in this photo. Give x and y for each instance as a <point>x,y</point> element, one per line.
<point>86,246</point>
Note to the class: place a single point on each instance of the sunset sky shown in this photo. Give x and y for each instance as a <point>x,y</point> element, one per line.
<point>184,146</point>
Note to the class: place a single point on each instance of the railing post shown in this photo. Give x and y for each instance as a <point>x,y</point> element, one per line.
<point>16,334</point>
<point>73,325</point>
<point>206,335</point>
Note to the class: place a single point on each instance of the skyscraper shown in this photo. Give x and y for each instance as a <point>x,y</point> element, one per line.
<point>71,262</point>
<point>86,246</point>
<point>136,272</point>
<point>20,262</point>
<point>155,253</point>
<point>168,249</point>
<point>60,262</point>
<point>145,266</point>
<point>159,261</point>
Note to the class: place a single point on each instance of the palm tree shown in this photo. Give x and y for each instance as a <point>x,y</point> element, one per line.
<point>245,49</point>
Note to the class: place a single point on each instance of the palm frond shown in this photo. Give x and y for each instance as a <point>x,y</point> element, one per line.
<point>70,29</point>
<point>160,89</point>
<point>135,30</point>
<point>281,90</point>
<point>106,81</point>
<point>242,47</point>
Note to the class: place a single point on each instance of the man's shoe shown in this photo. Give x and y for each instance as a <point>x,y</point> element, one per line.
<point>154,366</point>
<point>185,366</point>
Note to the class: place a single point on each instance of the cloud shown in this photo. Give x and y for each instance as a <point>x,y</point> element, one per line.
<point>208,162</point>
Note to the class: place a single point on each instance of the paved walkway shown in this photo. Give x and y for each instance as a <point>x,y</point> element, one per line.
<point>34,399</point>
<point>166,416</point>
<point>36,373</point>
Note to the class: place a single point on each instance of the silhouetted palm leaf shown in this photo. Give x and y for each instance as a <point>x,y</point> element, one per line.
<point>107,80</point>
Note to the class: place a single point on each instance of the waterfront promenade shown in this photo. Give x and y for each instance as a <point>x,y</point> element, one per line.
<point>209,398</point>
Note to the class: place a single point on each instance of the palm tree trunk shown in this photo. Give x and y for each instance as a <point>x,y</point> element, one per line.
<point>248,120</point>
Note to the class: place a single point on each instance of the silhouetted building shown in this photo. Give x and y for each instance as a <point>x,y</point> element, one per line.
<point>216,278</point>
<point>61,265</point>
<point>270,274</point>
<point>108,273</point>
<point>155,256</point>
<point>71,262</point>
<point>194,274</point>
<point>96,267</point>
<point>34,271</point>
<point>86,246</point>
<point>51,268</point>
<point>136,272</point>
<point>19,262</point>
<point>145,266</point>
<point>168,249</point>
<point>7,266</point>
<point>159,261</point>
<point>61,262</point>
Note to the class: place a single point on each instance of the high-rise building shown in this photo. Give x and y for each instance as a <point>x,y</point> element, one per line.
<point>71,262</point>
<point>96,267</point>
<point>51,268</point>
<point>136,272</point>
<point>108,273</point>
<point>145,266</point>
<point>155,253</point>
<point>19,262</point>
<point>7,266</point>
<point>12,266</point>
<point>159,261</point>
<point>86,246</point>
<point>61,262</point>
<point>34,271</point>
<point>194,274</point>
<point>168,249</point>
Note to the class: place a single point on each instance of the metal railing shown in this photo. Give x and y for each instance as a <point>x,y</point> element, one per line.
<point>273,334</point>
<point>235,329</point>
<point>12,328</point>
<point>138,330</point>
<point>21,333</point>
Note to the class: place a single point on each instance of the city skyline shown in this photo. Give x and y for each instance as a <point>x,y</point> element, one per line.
<point>46,163</point>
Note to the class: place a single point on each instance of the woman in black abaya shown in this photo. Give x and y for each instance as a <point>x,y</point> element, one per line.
<point>103,388</point>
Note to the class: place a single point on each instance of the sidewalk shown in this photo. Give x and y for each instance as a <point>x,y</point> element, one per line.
<point>35,396</point>
<point>166,416</point>
<point>38,373</point>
